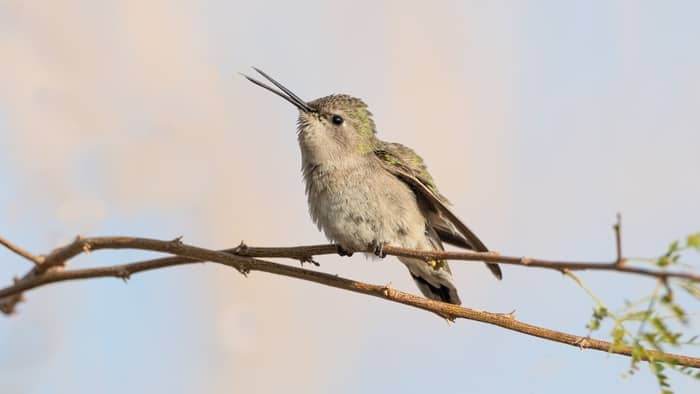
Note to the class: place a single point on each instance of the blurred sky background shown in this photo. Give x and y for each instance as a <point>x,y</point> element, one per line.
<point>539,120</point>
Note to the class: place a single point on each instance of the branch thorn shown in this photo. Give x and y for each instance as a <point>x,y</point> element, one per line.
<point>386,290</point>
<point>241,249</point>
<point>509,315</point>
<point>177,240</point>
<point>582,343</point>
<point>124,275</point>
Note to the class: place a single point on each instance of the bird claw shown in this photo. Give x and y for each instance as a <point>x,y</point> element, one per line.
<point>343,252</point>
<point>378,249</point>
<point>310,260</point>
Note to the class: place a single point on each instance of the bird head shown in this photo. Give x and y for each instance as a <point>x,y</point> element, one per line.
<point>329,127</point>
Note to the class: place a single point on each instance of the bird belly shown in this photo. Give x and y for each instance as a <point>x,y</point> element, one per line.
<point>359,208</point>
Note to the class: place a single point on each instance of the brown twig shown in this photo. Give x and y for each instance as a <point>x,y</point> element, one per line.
<point>306,253</point>
<point>300,252</point>
<point>17,250</point>
<point>186,254</point>
<point>540,263</point>
<point>617,228</point>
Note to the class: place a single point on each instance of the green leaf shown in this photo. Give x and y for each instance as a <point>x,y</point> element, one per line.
<point>599,314</point>
<point>651,338</point>
<point>667,298</point>
<point>691,288</point>
<point>693,241</point>
<point>637,353</point>
<point>673,247</point>
<point>638,315</point>
<point>663,331</point>
<point>679,313</point>
<point>618,333</point>
<point>671,255</point>
<point>664,261</point>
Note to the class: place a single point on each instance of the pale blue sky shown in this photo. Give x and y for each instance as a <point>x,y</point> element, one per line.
<point>539,120</point>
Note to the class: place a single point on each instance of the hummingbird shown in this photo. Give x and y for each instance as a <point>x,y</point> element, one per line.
<point>365,193</point>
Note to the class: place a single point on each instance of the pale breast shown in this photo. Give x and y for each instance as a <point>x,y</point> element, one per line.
<point>358,204</point>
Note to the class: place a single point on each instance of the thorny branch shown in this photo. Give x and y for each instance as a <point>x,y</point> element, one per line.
<point>50,269</point>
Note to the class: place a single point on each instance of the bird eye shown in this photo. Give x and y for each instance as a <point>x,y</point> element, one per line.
<point>337,120</point>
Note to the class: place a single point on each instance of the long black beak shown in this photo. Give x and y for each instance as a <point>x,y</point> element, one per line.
<point>285,93</point>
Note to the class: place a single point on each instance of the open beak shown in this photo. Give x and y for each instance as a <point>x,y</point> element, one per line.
<point>285,93</point>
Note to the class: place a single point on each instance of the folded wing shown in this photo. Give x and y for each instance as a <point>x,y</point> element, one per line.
<point>409,167</point>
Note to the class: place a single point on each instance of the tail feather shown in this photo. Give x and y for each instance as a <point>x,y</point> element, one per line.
<point>441,293</point>
<point>495,270</point>
<point>434,283</point>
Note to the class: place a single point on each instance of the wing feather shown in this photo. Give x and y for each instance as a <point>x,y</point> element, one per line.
<point>408,167</point>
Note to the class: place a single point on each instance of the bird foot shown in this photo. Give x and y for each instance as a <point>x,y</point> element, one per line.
<point>343,252</point>
<point>378,248</point>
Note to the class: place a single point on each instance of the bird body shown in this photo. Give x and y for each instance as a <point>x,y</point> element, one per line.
<point>359,204</point>
<point>366,193</point>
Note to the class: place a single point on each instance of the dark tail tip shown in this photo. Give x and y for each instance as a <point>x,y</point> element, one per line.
<point>495,270</point>
<point>441,293</point>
